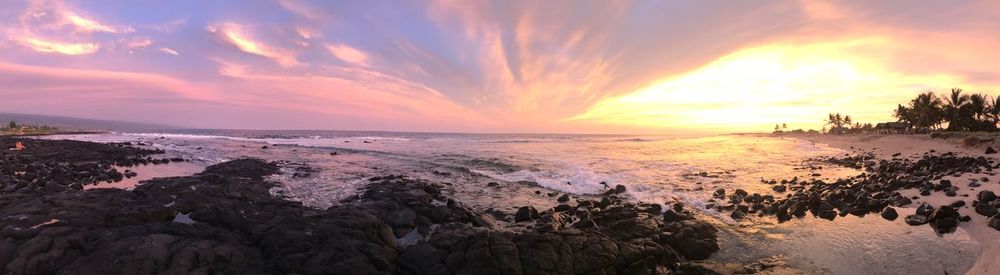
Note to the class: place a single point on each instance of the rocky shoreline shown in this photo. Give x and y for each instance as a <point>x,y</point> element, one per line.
<point>877,190</point>
<point>225,220</point>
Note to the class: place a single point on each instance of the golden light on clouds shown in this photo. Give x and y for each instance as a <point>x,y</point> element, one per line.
<point>57,47</point>
<point>88,25</point>
<point>755,88</point>
<point>236,35</point>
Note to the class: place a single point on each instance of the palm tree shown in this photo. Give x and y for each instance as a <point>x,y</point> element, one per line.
<point>955,109</point>
<point>977,111</point>
<point>994,110</point>
<point>847,120</point>
<point>978,105</point>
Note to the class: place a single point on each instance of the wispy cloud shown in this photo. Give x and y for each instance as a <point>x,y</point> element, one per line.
<point>242,38</point>
<point>509,65</point>
<point>168,51</point>
<point>88,25</point>
<point>299,8</point>
<point>348,54</point>
<point>58,47</point>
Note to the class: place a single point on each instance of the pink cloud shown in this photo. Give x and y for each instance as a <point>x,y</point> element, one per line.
<point>348,54</point>
<point>168,51</point>
<point>242,38</point>
<point>45,46</point>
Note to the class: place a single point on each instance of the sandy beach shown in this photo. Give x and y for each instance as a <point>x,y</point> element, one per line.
<point>914,146</point>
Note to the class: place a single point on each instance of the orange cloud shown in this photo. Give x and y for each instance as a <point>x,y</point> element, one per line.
<point>795,83</point>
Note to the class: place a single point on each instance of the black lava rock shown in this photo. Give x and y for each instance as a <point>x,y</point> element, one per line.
<point>889,213</point>
<point>525,213</point>
<point>915,220</point>
<point>987,210</point>
<point>986,196</point>
<point>563,198</point>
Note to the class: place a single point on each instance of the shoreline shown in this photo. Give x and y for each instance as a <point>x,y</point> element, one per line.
<point>227,217</point>
<point>55,134</point>
<point>969,185</point>
<point>500,215</point>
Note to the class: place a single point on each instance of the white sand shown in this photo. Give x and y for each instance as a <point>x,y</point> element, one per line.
<point>913,146</point>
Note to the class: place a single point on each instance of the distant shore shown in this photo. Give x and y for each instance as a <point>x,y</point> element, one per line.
<point>56,133</point>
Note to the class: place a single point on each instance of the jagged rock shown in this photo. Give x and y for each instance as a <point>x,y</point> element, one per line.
<point>526,213</point>
<point>396,225</point>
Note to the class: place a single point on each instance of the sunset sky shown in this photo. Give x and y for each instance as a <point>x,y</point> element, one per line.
<point>504,66</point>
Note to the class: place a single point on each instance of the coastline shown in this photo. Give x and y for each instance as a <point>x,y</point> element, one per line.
<point>507,210</point>
<point>55,134</point>
<point>225,219</point>
<point>912,147</point>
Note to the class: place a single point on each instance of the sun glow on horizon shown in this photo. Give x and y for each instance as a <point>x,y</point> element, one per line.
<point>755,88</point>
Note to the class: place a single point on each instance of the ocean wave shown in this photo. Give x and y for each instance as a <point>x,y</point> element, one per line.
<point>574,181</point>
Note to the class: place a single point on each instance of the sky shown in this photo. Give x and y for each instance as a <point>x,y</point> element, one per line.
<point>645,67</point>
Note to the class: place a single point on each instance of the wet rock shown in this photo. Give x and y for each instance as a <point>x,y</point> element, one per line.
<point>915,220</point>
<point>827,214</point>
<point>957,204</point>
<point>986,196</point>
<point>990,151</point>
<point>987,210</point>
<point>994,222</point>
<point>778,188</point>
<point>889,213</point>
<point>563,208</point>
<point>925,209</point>
<point>719,193</point>
<point>738,214</point>
<point>944,219</point>
<point>563,198</point>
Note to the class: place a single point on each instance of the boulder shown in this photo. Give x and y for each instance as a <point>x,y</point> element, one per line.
<point>889,213</point>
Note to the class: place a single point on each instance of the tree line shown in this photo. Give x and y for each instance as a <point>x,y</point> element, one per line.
<point>959,110</point>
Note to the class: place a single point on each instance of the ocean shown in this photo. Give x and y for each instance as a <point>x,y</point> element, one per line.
<point>322,168</point>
